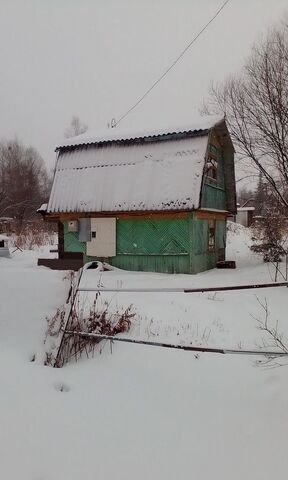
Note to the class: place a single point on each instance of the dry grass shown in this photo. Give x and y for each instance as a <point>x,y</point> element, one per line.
<point>62,348</point>
<point>33,236</point>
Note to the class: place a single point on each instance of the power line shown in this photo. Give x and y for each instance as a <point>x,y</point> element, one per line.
<point>172,64</point>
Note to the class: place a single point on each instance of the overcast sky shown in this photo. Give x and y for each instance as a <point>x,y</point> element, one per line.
<point>95,58</point>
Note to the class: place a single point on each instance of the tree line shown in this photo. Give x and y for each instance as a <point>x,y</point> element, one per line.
<point>24,181</point>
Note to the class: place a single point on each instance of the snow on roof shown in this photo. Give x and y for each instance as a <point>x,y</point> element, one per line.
<point>43,208</point>
<point>163,175</point>
<point>245,209</point>
<point>118,134</point>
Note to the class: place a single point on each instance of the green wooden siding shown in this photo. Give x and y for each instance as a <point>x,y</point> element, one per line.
<point>152,263</point>
<point>153,237</point>
<point>213,197</point>
<point>153,245</point>
<point>201,259</point>
<point>160,245</point>
<point>71,241</point>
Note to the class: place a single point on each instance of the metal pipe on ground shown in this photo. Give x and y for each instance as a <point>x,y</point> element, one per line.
<point>187,348</point>
<point>184,290</point>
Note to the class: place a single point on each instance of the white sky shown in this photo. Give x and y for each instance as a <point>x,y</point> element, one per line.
<point>95,58</point>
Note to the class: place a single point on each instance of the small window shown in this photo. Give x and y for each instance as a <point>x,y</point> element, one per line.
<point>212,168</point>
<point>211,235</point>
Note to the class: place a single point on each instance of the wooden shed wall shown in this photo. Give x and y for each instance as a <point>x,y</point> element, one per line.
<point>201,259</point>
<point>145,244</point>
<point>167,245</point>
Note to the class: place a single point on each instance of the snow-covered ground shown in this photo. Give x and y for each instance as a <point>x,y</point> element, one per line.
<point>143,412</point>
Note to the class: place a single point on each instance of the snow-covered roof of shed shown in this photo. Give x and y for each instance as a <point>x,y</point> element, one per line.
<point>245,209</point>
<point>117,134</point>
<point>120,173</point>
<point>163,175</point>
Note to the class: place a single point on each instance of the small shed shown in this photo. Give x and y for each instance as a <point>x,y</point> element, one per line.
<point>150,202</point>
<point>245,216</point>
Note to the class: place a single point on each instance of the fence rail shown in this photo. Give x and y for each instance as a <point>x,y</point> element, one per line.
<point>188,348</point>
<point>184,290</point>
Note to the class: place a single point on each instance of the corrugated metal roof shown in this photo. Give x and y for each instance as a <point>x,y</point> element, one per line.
<point>139,177</point>
<point>119,135</point>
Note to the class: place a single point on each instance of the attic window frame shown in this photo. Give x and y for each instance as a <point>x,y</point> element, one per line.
<point>212,169</point>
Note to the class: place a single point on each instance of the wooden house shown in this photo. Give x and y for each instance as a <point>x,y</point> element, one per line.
<point>153,202</point>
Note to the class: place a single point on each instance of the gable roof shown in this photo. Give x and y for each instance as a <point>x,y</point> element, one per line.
<point>151,173</point>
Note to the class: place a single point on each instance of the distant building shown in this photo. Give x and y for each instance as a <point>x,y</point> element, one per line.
<point>4,248</point>
<point>245,216</point>
<point>7,224</point>
<point>153,202</point>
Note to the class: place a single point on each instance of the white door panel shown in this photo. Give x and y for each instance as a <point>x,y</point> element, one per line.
<point>103,238</point>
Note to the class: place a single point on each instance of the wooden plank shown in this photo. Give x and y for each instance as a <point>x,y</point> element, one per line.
<point>61,239</point>
<point>226,263</point>
<point>206,215</point>
<point>61,263</point>
<point>73,255</point>
<point>123,215</point>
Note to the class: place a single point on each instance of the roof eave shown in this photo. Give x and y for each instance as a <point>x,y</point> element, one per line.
<point>137,140</point>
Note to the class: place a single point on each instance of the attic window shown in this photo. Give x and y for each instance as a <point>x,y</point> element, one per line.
<point>211,235</point>
<point>212,167</point>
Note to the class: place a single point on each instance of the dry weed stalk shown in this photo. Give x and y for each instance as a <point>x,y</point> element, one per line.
<point>277,339</point>
<point>99,319</point>
<point>33,236</point>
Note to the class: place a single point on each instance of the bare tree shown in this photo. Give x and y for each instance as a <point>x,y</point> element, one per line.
<point>244,195</point>
<point>255,104</point>
<point>23,180</point>
<point>75,128</point>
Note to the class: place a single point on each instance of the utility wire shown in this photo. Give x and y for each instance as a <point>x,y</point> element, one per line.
<point>172,64</point>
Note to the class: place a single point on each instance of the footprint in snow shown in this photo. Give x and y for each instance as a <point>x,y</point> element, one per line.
<point>61,387</point>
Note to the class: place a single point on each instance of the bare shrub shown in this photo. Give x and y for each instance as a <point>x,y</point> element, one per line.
<point>63,341</point>
<point>33,236</point>
<point>277,340</point>
<point>100,320</point>
<point>270,238</point>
